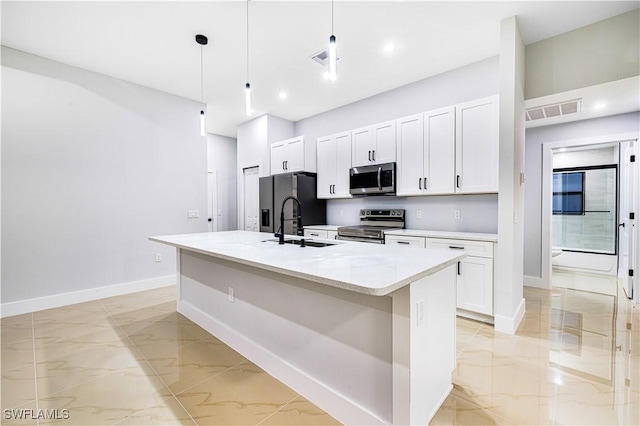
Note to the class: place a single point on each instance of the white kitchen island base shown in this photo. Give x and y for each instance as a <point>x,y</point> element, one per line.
<point>364,359</point>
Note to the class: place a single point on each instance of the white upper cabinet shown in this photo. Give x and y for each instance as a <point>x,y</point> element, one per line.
<point>293,155</point>
<point>439,151</point>
<point>477,146</point>
<point>426,156</point>
<point>334,161</point>
<point>410,170</point>
<point>374,144</point>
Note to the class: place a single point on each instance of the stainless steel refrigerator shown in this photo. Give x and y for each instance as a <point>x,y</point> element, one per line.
<point>273,189</point>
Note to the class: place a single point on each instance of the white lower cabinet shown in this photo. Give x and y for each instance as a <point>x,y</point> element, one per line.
<point>404,241</point>
<point>323,233</point>
<point>315,233</point>
<point>474,282</point>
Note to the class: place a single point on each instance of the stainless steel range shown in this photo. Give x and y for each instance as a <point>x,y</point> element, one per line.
<point>373,224</point>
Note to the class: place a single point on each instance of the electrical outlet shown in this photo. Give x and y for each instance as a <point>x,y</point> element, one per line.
<point>158,257</point>
<point>420,312</point>
<point>193,214</point>
<point>456,214</point>
<point>232,295</point>
<point>418,214</point>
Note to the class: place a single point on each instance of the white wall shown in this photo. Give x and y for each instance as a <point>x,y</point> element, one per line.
<point>535,137</point>
<point>477,80</point>
<point>222,157</point>
<point>606,51</point>
<point>91,167</point>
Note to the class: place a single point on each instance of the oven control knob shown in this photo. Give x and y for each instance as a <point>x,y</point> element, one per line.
<point>393,212</point>
<point>361,212</point>
<point>368,212</point>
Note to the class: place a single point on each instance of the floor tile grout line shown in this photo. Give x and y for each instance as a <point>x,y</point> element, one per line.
<point>278,410</point>
<point>35,368</point>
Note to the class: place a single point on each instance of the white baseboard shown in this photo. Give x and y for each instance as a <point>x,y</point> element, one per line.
<point>509,325</point>
<point>337,405</point>
<point>57,300</point>
<point>535,282</point>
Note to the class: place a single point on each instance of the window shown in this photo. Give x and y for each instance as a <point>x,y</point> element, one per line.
<point>568,193</point>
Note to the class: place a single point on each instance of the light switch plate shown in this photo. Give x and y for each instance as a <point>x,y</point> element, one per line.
<point>193,214</point>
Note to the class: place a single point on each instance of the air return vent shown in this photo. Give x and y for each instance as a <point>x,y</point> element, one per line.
<point>554,110</point>
<point>321,57</point>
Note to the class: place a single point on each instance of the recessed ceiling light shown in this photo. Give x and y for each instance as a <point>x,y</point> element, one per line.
<point>389,47</point>
<point>282,95</point>
<point>599,106</point>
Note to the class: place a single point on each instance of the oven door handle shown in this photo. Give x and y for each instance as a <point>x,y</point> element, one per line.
<point>379,181</point>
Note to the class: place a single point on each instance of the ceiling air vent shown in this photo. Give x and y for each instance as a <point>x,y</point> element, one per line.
<point>554,110</point>
<point>321,57</point>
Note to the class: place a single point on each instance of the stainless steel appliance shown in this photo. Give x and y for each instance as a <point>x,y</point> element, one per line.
<point>373,224</point>
<point>379,179</point>
<point>274,189</point>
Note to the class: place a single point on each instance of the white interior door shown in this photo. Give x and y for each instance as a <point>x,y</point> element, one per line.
<point>251,198</point>
<point>212,184</point>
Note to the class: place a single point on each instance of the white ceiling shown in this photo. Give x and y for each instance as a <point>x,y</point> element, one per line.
<point>152,44</point>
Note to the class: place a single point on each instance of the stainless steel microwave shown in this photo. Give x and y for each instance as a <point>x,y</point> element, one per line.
<point>379,179</point>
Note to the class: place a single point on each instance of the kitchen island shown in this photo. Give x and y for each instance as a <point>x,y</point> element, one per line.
<point>366,332</point>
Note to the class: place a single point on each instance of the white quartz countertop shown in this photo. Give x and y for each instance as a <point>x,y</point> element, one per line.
<point>473,236</point>
<point>365,268</point>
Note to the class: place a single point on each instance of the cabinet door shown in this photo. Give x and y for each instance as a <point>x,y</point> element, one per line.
<point>474,285</point>
<point>384,142</point>
<point>342,165</point>
<point>294,152</point>
<point>439,151</point>
<point>361,147</point>
<point>326,166</point>
<point>278,156</point>
<point>477,146</point>
<point>410,140</point>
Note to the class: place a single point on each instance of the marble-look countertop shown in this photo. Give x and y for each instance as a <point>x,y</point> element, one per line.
<point>473,236</point>
<point>371,269</point>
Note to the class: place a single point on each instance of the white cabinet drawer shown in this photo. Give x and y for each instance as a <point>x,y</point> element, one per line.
<point>315,233</point>
<point>472,248</point>
<point>405,241</point>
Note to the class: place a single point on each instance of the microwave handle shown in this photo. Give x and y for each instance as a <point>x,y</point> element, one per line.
<point>379,181</point>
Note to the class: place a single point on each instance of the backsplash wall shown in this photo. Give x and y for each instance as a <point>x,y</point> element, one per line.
<point>478,213</point>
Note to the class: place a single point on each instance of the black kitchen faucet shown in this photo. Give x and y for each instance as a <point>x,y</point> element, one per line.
<point>299,230</point>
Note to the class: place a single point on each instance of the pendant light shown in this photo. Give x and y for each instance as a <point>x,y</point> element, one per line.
<point>331,74</point>
<point>202,41</point>
<point>247,87</point>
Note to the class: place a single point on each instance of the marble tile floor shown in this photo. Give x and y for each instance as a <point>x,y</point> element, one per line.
<point>132,360</point>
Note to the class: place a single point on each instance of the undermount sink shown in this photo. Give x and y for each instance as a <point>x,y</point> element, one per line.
<point>307,243</point>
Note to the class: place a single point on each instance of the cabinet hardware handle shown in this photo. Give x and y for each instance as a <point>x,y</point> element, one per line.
<point>286,164</point>
<point>425,182</point>
<point>314,234</point>
<point>420,183</point>
<point>369,155</point>
<point>457,181</point>
<point>459,269</point>
<point>456,247</point>
<point>374,155</point>
<point>403,242</point>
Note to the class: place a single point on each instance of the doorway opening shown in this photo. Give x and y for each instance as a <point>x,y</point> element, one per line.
<point>587,229</point>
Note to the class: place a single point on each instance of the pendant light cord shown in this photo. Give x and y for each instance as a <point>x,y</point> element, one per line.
<point>201,76</point>
<point>332,17</point>
<point>247,40</point>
